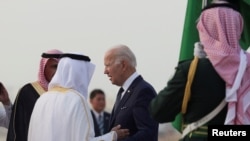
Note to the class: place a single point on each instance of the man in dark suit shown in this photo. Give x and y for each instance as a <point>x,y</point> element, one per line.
<point>100,117</point>
<point>131,107</point>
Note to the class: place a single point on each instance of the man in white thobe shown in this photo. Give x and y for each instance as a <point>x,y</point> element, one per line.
<point>62,113</point>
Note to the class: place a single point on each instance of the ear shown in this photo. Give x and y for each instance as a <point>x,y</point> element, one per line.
<point>91,101</point>
<point>124,64</point>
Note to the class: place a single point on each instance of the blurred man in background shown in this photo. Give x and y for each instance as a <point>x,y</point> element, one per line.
<point>100,117</point>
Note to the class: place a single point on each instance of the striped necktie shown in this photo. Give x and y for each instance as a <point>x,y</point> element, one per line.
<point>100,124</point>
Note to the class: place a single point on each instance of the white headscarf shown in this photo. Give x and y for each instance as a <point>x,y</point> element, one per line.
<point>65,115</point>
<point>73,74</point>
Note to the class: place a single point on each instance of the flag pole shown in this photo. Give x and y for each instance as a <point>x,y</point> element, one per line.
<point>193,10</point>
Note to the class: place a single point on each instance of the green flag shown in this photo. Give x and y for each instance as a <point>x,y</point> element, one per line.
<point>190,34</point>
<point>189,37</point>
<point>244,10</point>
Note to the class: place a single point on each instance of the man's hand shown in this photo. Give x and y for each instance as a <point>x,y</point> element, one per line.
<point>121,133</point>
<point>4,96</point>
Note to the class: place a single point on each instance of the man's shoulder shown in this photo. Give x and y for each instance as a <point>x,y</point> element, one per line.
<point>91,111</point>
<point>188,62</point>
<point>26,87</point>
<point>106,113</point>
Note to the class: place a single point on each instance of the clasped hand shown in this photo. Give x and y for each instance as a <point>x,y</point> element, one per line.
<point>121,133</point>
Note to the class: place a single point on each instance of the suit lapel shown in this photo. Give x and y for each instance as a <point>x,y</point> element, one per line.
<point>112,119</point>
<point>123,101</point>
<point>95,123</point>
<point>106,122</point>
<point>127,95</point>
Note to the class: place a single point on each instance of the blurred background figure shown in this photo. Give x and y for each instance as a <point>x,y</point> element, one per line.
<point>6,112</point>
<point>100,116</point>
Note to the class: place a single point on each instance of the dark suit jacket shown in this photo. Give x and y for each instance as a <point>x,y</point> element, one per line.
<point>106,123</point>
<point>132,112</point>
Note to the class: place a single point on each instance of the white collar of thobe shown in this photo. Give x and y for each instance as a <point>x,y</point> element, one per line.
<point>129,81</point>
<point>98,114</point>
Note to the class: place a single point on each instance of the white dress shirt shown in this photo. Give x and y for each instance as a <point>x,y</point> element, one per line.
<point>128,82</point>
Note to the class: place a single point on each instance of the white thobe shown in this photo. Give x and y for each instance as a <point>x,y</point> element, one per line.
<point>63,116</point>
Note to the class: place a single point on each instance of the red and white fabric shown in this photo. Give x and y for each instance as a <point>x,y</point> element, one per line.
<point>220,30</point>
<point>41,77</point>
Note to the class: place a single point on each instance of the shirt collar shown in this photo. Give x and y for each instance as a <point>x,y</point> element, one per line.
<point>97,114</point>
<point>128,82</point>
